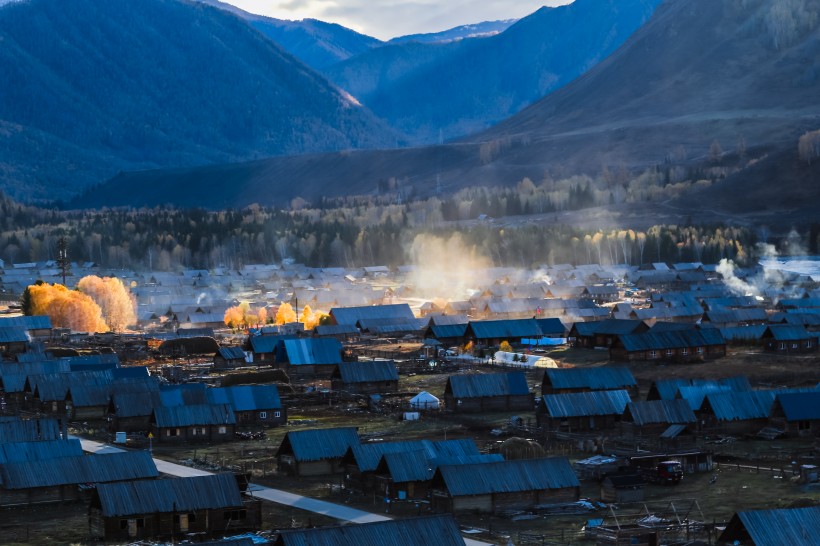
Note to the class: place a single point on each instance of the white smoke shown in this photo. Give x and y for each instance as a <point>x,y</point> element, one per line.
<point>737,285</point>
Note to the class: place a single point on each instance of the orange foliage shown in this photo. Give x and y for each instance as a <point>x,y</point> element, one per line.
<point>310,319</point>
<point>285,314</point>
<point>67,308</point>
<point>114,298</point>
<point>242,316</point>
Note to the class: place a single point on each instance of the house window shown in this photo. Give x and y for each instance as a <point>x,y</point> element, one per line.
<point>669,352</point>
<point>782,345</point>
<point>653,354</point>
<point>263,415</point>
<point>277,414</point>
<point>809,344</point>
<point>700,350</point>
<point>223,430</point>
<point>684,351</point>
<point>172,432</point>
<point>234,515</point>
<point>794,345</point>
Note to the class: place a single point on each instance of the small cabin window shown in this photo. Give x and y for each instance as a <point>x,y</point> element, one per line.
<point>223,430</point>
<point>277,414</point>
<point>263,415</point>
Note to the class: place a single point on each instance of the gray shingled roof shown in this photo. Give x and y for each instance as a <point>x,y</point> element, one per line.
<point>661,412</point>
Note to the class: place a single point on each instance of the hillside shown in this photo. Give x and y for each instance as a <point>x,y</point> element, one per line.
<point>697,72</point>
<point>477,30</point>
<point>93,87</point>
<point>315,43</point>
<point>451,89</point>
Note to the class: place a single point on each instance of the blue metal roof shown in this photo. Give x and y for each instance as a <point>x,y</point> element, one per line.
<point>788,332</point>
<point>800,406</point>
<point>213,491</point>
<point>776,527</point>
<point>25,430</point>
<point>671,412</point>
<point>439,530</point>
<point>414,466</point>
<point>367,456</point>
<point>194,415</point>
<point>598,378</point>
<point>232,353</point>
<point>121,466</point>
<point>582,404</point>
<point>368,371</point>
<point>493,384</point>
<point>15,452</point>
<point>444,331</point>
<point>551,326</point>
<point>28,322</point>
<point>313,351</point>
<point>13,334</point>
<point>181,395</point>
<point>319,444</point>
<point>608,327</point>
<point>247,397</point>
<point>743,333</point>
<point>501,329</point>
<point>667,389</point>
<point>650,341</point>
<point>740,406</point>
<point>507,476</point>
<point>695,395</point>
<point>352,315</point>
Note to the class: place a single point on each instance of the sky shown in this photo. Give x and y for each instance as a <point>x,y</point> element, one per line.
<point>385,19</point>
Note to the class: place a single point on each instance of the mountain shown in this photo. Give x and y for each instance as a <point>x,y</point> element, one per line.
<point>698,71</point>
<point>477,30</point>
<point>430,91</point>
<point>315,43</point>
<point>92,87</point>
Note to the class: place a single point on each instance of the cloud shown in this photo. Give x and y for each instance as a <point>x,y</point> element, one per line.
<point>390,18</point>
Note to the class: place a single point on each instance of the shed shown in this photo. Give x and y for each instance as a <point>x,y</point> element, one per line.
<point>506,485</point>
<point>603,333</point>
<point>488,392</point>
<point>493,332</point>
<point>654,417</point>
<point>315,451</point>
<point>211,505</point>
<point>620,488</point>
<point>13,340</point>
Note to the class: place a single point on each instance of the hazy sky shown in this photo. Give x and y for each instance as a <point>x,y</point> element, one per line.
<point>386,19</point>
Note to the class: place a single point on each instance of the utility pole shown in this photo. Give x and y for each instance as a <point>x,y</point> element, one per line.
<point>62,258</point>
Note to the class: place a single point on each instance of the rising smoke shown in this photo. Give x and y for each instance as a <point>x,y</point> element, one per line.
<point>446,268</point>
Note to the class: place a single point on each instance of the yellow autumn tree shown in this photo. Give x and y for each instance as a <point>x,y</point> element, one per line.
<point>285,314</point>
<point>119,307</point>
<point>234,318</point>
<point>262,316</point>
<point>67,308</point>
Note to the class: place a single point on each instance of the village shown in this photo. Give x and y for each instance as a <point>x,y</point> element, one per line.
<point>597,404</point>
